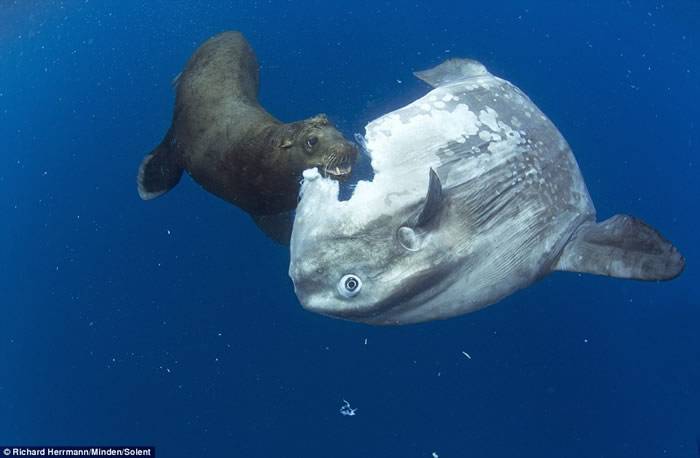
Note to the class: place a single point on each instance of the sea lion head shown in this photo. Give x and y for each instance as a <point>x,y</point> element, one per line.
<point>317,143</point>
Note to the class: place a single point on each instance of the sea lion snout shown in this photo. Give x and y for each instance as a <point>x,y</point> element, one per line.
<point>341,158</point>
<point>328,149</point>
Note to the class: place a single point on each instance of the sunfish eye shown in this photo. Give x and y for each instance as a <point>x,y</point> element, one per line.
<point>349,285</point>
<point>311,141</point>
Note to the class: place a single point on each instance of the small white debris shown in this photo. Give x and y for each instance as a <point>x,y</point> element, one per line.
<point>365,340</point>
<point>466,354</point>
<point>168,231</point>
<point>346,410</point>
<point>435,455</point>
<point>585,340</point>
<point>399,81</point>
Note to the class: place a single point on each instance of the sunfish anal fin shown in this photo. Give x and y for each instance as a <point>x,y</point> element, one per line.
<point>623,247</point>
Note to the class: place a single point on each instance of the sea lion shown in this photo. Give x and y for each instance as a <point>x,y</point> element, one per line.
<point>234,148</point>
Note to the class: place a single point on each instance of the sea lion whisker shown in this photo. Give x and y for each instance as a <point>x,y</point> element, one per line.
<point>330,160</point>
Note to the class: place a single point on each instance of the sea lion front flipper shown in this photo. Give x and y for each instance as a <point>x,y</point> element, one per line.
<point>278,227</point>
<point>623,247</point>
<point>159,171</point>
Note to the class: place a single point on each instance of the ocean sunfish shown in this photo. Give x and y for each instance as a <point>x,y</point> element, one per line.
<point>475,195</point>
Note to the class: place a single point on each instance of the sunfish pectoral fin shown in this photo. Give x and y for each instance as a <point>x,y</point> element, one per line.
<point>278,227</point>
<point>433,201</point>
<point>452,70</point>
<point>623,247</point>
<point>411,235</point>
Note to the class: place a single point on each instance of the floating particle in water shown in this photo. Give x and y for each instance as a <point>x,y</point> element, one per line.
<point>346,410</point>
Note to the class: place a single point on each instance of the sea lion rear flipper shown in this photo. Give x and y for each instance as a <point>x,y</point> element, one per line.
<point>623,247</point>
<point>159,172</point>
<point>278,227</point>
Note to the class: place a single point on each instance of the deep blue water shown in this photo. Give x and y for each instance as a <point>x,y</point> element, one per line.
<point>173,322</point>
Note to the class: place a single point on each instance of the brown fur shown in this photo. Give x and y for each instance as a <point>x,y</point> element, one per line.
<point>229,144</point>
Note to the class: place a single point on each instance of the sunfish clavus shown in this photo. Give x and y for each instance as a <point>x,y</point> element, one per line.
<point>475,195</point>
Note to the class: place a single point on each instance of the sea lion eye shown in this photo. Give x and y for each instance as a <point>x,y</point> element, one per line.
<point>311,141</point>
<point>349,285</point>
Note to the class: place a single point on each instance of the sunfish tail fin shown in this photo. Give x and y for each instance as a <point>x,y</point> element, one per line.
<point>159,171</point>
<point>623,247</point>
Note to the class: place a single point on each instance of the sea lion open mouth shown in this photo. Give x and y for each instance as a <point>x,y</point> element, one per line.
<point>337,171</point>
<point>339,165</point>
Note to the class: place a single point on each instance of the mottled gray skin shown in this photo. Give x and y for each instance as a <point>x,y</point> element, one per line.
<point>498,213</point>
<point>230,145</point>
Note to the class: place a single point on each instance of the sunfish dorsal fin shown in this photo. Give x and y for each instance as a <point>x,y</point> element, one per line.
<point>452,70</point>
